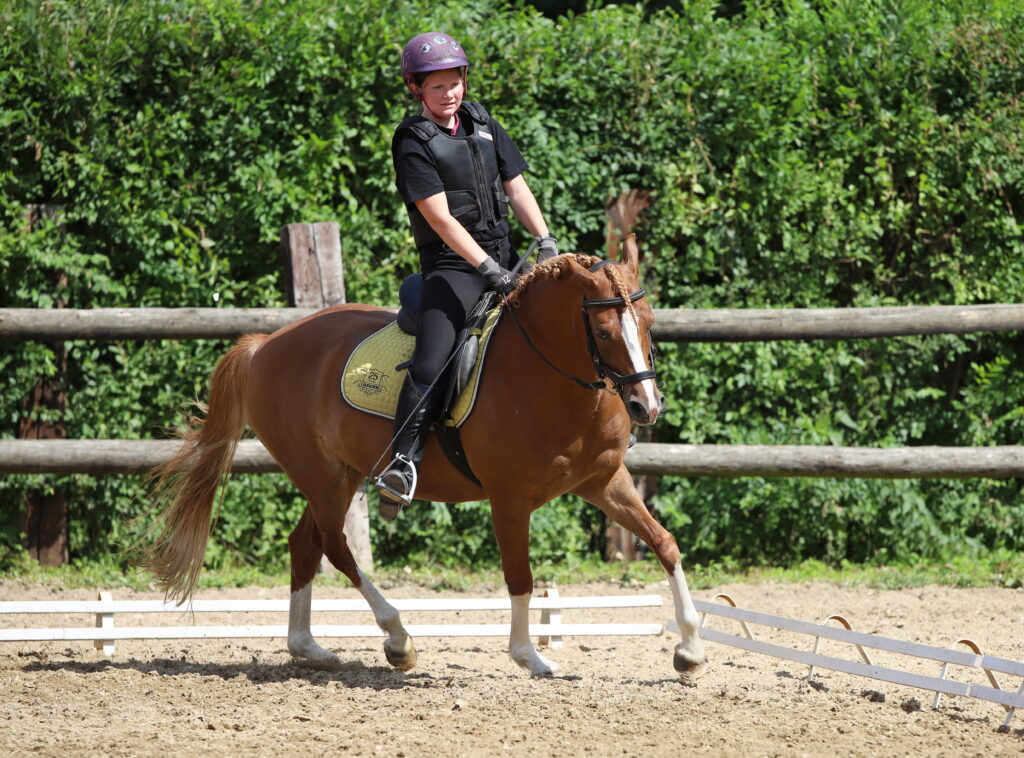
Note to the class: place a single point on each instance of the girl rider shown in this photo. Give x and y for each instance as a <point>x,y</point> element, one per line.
<point>458,172</point>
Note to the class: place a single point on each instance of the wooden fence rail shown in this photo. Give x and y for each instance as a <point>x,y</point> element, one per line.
<point>139,456</point>
<point>687,325</point>
<point>752,325</point>
<point>672,325</point>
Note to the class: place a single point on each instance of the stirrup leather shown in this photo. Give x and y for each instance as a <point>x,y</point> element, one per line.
<point>398,481</point>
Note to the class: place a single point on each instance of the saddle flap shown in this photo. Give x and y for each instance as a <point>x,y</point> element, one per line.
<point>467,349</point>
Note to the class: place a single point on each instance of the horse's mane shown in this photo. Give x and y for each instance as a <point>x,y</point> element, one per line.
<point>553,268</point>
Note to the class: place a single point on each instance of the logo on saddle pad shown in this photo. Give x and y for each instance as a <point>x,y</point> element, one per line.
<point>371,380</point>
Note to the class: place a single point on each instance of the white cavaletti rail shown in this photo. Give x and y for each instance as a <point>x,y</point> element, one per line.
<point>105,632</point>
<point>860,640</point>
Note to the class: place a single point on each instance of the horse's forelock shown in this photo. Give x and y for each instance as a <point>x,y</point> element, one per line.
<point>621,290</point>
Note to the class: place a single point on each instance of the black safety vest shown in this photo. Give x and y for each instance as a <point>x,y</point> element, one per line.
<point>468,167</point>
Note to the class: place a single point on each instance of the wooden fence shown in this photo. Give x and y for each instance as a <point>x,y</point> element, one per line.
<point>683,325</point>
<point>311,254</point>
<point>658,458</point>
<point>671,325</point>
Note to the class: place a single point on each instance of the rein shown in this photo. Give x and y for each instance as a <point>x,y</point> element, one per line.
<point>599,385</point>
<point>605,373</point>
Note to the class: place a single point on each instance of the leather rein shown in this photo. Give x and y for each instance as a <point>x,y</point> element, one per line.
<point>605,373</point>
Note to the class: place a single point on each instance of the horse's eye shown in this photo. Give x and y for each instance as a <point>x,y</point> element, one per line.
<point>603,334</point>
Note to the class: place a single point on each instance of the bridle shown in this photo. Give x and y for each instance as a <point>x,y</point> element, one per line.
<point>605,373</point>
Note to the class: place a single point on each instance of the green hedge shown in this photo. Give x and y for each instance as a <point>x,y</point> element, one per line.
<point>813,154</point>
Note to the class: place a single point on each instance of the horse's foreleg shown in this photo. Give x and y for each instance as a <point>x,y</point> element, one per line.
<point>689,659</point>
<point>512,532</point>
<point>619,499</point>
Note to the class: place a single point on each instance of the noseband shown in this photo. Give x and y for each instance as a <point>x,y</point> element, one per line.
<point>605,373</point>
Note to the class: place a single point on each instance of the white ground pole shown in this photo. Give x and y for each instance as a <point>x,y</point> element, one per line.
<point>974,659</point>
<point>550,616</point>
<point>107,609</point>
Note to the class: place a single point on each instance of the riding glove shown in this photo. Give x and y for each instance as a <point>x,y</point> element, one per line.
<point>498,279</point>
<point>547,247</point>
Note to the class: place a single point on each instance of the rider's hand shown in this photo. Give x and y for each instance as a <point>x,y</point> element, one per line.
<point>547,247</point>
<point>498,279</point>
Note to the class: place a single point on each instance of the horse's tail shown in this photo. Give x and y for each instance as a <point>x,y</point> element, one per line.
<point>186,484</point>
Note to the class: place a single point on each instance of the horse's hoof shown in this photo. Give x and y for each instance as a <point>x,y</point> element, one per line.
<point>689,671</point>
<point>542,668</point>
<point>693,673</point>
<point>403,660</point>
<point>309,653</point>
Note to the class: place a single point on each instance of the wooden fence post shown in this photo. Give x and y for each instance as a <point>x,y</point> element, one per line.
<point>622,215</point>
<point>315,278</point>
<point>46,514</point>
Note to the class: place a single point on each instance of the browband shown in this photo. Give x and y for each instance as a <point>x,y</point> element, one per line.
<point>600,302</point>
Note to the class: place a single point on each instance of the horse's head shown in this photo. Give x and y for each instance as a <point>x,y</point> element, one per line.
<point>616,319</point>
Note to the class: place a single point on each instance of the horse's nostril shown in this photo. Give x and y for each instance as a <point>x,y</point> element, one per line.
<point>637,410</point>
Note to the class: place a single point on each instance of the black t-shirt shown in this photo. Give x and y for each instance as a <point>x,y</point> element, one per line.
<point>416,177</point>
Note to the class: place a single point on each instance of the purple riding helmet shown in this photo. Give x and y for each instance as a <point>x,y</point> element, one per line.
<point>432,51</point>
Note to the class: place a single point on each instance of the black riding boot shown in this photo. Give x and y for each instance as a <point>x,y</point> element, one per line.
<point>413,416</point>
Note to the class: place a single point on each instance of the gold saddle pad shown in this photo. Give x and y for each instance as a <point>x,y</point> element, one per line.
<point>371,383</point>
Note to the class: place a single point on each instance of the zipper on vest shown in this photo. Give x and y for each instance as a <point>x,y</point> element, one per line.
<point>483,192</point>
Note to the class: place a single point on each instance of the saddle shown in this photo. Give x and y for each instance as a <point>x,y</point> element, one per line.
<point>375,370</point>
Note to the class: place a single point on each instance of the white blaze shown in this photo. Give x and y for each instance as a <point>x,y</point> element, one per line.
<point>631,335</point>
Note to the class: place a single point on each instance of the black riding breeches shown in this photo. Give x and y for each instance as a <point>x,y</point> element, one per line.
<point>446,300</point>
<point>445,303</point>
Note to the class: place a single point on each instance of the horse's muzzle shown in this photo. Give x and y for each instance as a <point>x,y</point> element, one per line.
<point>643,409</point>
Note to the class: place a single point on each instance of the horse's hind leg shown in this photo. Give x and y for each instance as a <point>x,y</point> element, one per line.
<point>320,532</point>
<point>512,532</point>
<point>619,499</point>
<point>304,545</point>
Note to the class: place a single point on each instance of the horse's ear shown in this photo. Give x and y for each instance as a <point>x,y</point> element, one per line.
<point>631,254</point>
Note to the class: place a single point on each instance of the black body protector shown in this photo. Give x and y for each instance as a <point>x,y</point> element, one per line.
<point>468,167</point>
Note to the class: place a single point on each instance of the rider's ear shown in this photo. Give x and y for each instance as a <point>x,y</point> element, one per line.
<point>631,254</point>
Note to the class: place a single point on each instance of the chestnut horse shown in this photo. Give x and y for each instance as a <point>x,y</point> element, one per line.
<point>572,317</point>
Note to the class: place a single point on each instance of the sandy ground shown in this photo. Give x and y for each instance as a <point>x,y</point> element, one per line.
<point>618,696</point>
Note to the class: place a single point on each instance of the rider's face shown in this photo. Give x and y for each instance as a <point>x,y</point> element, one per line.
<point>442,94</point>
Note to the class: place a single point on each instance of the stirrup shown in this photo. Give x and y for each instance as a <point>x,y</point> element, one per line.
<point>396,486</point>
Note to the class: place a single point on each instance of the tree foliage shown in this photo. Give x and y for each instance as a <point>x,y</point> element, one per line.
<point>799,153</point>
